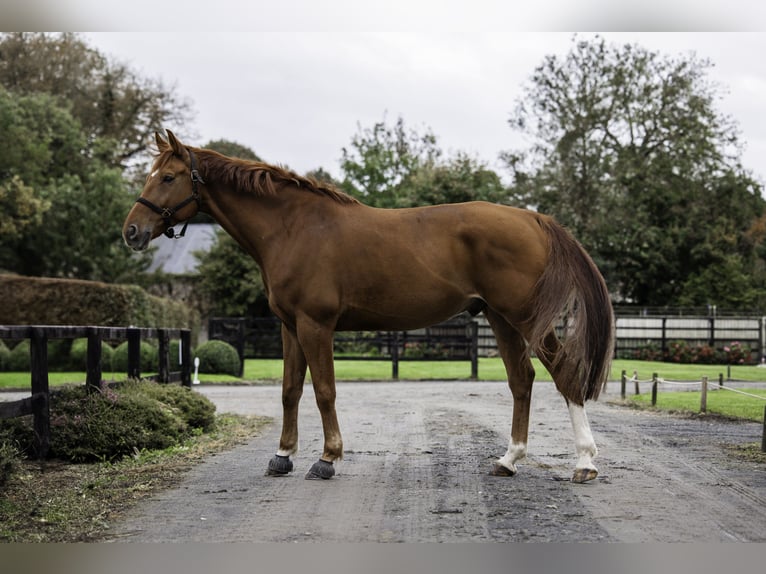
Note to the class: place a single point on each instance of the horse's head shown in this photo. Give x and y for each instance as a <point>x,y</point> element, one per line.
<point>171,195</point>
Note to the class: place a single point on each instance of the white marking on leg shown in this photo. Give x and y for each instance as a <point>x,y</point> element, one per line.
<point>516,451</point>
<point>585,446</point>
<point>291,452</point>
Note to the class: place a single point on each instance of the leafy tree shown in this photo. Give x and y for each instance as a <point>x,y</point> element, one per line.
<point>382,158</point>
<point>112,103</point>
<point>630,152</point>
<point>232,149</point>
<point>231,280</point>
<point>71,206</point>
<point>393,166</point>
<point>459,179</point>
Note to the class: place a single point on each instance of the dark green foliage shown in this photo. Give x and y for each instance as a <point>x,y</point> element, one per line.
<point>230,279</point>
<point>109,425</point>
<point>193,408</point>
<point>18,359</point>
<point>5,355</point>
<point>149,358</point>
<point>78,355</point>
<point>115,422</point>
<point>46,301</point>
<point>218,357</point>
<point>630,152</point>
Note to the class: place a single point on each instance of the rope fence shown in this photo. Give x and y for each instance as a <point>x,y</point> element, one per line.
<point>703,384</point>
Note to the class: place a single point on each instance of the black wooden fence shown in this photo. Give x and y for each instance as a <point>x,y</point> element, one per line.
<point>453,340</point>
<point>38,404</point>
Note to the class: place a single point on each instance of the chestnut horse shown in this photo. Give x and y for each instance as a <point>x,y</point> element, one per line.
<point>331,263</point>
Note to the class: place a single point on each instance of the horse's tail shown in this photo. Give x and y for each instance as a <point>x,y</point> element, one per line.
<point>572,287</point>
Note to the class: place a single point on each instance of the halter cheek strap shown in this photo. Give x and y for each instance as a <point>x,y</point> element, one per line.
<point>167,212</point>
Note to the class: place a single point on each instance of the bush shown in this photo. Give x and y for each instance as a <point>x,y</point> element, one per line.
<point>5,356</point>
<point>113,423</point>
<point>18,360</point>
<point>78,355</point>
<point>87,427</point>
<point>149,358</point>
<point>196,410</point>
<point>738,354</point>
<point>218,357</point>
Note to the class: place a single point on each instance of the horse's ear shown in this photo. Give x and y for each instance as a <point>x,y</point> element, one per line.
<point>178,148</point>
<point>161,143</point>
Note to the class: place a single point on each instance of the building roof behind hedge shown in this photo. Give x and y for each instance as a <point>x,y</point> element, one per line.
<point>176,256</point>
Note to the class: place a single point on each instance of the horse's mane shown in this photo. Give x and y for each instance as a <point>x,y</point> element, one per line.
<point>256,177</point>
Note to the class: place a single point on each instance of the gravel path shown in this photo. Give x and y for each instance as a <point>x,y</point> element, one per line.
<point>415,469</point>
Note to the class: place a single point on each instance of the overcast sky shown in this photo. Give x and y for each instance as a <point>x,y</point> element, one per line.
<point>297,98</point>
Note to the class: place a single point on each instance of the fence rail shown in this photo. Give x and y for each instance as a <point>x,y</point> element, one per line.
<point>38,404</point>
<point>453,340</point>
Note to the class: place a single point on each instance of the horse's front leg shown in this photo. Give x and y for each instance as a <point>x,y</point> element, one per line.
<point>293,378</point>
<point>317,343</point>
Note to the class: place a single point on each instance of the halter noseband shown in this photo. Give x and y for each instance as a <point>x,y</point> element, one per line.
<point>167,212</point>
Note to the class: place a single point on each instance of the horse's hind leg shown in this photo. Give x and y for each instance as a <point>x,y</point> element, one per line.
<point>585,445</point>
<point>521,375</point>
<point>292,390</point>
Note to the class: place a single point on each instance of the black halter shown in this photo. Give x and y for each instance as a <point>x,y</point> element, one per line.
<point>167,212</point>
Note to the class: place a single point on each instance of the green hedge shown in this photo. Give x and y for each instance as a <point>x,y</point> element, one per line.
<point>47,301</point>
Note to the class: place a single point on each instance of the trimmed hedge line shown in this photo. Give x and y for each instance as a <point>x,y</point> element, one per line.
<point>49,301</point>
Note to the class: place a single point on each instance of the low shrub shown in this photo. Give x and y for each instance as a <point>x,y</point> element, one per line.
<point>218,357</point>
<point>149,358</point>
<point>78,355</point>
<point>113,423</point>
<point>194,409</point>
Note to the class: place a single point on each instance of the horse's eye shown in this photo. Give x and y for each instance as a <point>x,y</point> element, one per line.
<point>167,178</point>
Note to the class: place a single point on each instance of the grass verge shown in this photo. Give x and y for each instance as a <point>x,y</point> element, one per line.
<point>60,502</point>
<point>719,402</point>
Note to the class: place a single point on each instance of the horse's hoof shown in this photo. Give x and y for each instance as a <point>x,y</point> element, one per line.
<point>321,470</point>
<point>500,470</point>
<point>279,466</point>
<point>584,475</point>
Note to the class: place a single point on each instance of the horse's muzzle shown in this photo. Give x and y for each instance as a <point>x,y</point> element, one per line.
<point>135,238</point>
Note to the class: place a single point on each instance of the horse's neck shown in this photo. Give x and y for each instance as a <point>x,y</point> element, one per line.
<point>258,222</point>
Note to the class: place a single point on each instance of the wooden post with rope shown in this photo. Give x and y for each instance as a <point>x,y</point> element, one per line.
<point>703,396</point>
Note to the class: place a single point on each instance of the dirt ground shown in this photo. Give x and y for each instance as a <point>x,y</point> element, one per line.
<point>417,456</point>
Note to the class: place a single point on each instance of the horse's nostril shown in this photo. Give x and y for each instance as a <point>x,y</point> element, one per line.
<point>132,231</point>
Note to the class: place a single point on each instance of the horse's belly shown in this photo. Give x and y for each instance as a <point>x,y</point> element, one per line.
<point>404,315</point>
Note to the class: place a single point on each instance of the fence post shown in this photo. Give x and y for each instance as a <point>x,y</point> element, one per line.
<point>623,382</point>
<point>186,358</point>
<point>703,396</point>
<point>395,357</point>
<point>163,369</point>
<point>763,437</point>
<point>134,353</point>
<point>654,389</point>
<point>635,381</point>
<point>720,379</point>
<point>474,331</point>
<point>38,356</point>
<point>93,364</point>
